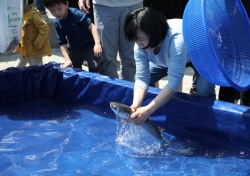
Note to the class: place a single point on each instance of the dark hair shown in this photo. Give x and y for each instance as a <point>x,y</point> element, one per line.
<point>30,1</point>
<point>149,21</point>
<point>51,3</point>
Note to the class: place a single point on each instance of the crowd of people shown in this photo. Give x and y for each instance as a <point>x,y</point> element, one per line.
<point>146,34</point>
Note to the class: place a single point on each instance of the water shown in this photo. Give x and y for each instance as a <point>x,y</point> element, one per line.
<point>47,138</point>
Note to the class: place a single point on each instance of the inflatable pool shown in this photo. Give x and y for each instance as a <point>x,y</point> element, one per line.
<point>58,122</point>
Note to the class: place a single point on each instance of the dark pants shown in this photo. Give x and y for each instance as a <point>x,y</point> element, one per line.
<point>78,57</point>
<point>40,6</point>
<point>169,8</point>
<point>229,94</point>
<point>245,98</point>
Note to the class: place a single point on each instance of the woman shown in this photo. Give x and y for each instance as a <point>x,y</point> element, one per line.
<point>159,41</point>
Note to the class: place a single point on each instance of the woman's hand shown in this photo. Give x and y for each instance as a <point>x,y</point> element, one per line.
<point>134,107</point>
<point>140,115</point>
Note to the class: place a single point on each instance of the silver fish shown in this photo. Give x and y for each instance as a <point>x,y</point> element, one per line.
<point>123,111</point>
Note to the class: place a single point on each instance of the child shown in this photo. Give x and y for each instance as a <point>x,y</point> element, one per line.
<point>34,43</point>
<point>73,27</point>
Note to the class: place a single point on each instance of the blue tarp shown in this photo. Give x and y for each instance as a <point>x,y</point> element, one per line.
<point>208,121</point>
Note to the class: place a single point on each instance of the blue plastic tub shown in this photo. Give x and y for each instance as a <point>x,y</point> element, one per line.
<point>58,122</point>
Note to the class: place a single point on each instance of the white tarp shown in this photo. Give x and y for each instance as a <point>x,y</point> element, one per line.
<point>11,21</point>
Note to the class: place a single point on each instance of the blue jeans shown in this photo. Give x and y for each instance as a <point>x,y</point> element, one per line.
<point>203,87</point>
<point>40,6</point>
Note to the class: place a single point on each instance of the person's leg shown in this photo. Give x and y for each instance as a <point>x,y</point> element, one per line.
<point>20,62</point>
<point>193,88</point>
<point>126,48</point>
<point>35,61</point>
<point>245,98</point>
<point>228,94</point>
<point>156,73</point>
<point>200,85</point>
<point>107,23</point>
<point>92,61</point>
<point>73,3</point>
<point>169,8</point>
<point>204,88</point>
<point>40,6</point>
<point>76,59</point>
<point>91,14</point>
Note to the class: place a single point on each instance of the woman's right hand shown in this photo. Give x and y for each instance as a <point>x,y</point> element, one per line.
<point>84,5</point>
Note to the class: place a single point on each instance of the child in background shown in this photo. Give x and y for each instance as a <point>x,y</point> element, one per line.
<point>34,43</point>
<point>73,27</point>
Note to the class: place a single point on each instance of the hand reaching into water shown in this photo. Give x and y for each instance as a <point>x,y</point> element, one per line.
<point>140,115</point>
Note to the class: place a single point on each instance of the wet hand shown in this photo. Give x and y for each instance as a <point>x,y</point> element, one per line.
<point>140,115</point>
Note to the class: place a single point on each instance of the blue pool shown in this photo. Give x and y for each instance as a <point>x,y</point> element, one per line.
<point>58,122</point>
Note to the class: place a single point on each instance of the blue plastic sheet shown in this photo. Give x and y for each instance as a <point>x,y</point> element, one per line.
<point>208,121</point>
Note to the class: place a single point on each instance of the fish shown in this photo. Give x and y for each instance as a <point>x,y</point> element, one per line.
<point>123,111</point>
